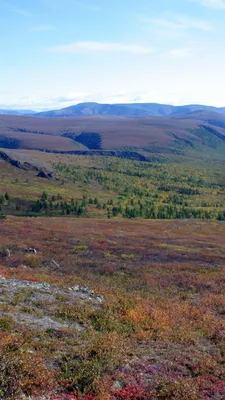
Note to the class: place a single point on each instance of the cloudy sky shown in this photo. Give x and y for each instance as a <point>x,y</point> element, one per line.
<point>55,53</point>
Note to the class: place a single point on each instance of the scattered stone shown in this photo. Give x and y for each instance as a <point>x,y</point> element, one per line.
<point>212,266</point>
<point>87,292</point>
<point>23,284</point>
<point>55,264</point>
<point>83,289</point>
<point>8,252</point>
<point>118,385</point>
<point>75,288</point>
<point>100,299</point>
<point>217,266</point>
<point>32,250</point>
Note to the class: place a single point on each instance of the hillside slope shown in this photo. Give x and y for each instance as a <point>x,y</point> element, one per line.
<point>198,129</point>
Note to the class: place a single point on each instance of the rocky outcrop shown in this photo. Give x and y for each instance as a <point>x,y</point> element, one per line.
<point>44,297</point>
<point>46,175</point>
<point>27,166</point>
<point>16,163</point>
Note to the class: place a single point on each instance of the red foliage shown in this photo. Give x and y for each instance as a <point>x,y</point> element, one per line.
<point>56,395</point>
<point>211,387</point>
<point>131,392</point>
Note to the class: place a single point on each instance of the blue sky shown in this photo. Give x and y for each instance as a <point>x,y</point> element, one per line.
<point>55,53</point>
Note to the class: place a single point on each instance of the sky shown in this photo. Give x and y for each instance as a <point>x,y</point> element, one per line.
<point>55,53</point>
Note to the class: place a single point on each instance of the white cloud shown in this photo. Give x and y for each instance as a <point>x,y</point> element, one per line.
<point>68,99</point>
<point>170,95</point>
<point>184,52</point>
<point>123,97</point>
<point>217,4</point>
<point>178,23</point>
<point>100,47</point>
<point>38,103</point>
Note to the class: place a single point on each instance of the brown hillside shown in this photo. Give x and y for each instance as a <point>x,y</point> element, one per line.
<point>114,132</point>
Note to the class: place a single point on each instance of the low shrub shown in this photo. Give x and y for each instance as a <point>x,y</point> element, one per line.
<point>7,323</point>
<point>22,370</point>
<point>79,374</point>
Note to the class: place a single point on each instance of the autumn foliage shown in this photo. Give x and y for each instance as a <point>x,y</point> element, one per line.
<point>159,332</point>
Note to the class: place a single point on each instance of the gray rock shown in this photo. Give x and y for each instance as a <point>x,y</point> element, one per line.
<point>83,288</point>
<point>118,385</point>
<point>75,288</point>
<point>32,250</point>
<point>217,266</point>
<point>100,299</point>
<point>55,264</point>
<point>8,252</point>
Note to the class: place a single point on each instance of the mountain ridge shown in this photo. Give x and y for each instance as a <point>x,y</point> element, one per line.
<point>118,109</point>
<point>4,111</point>
<point>129,110</point>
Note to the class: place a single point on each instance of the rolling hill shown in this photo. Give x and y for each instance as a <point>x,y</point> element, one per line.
<point>95,133</point>
<point>210,117</point>
<point>128,110</point>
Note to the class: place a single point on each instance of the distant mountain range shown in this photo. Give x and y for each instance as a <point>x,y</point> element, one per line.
<point>118,110</point>
<point>129,110</point>
<point>16,112</point>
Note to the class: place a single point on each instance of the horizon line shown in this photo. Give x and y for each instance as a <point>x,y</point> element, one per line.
<point>54,108</point>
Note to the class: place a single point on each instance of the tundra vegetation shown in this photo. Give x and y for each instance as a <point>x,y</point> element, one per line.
<point>148,239</point>
<point>110,187</point>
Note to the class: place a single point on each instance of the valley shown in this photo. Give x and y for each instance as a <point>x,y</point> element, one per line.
<point>112,200</point>
<point>112,257</point>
